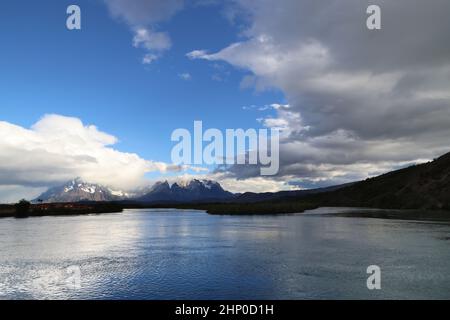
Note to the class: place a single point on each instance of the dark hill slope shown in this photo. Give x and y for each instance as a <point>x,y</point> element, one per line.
<point>425,186</point>
<point>251,197</point>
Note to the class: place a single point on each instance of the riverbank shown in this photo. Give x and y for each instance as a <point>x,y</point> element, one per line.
<point>59,209</point>
<point>225,209</point>
<point>65,209</point>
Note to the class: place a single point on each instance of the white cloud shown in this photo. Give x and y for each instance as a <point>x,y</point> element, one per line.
<point>254,184</point>
<point>149,58</point>
<point>276,123</point>
<point>155,43</point>
<point>57,149</point>
<point>198,54</point>
<point>143,16</point>
<point>150,40</point>
<point>185,76</point>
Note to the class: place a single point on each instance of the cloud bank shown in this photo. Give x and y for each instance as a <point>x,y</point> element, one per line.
<point>57,149</point>
<point>361,102</point>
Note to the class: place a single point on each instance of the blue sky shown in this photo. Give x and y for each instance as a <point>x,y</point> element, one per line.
<point>95,74</point>
<point>352,102</point>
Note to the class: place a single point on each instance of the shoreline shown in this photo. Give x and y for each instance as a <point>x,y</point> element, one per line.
<point>59,209</point>
<point>231,209</point>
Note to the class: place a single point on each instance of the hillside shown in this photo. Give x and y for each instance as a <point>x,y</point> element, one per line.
<point>425,186</point>
<point>251,197</point>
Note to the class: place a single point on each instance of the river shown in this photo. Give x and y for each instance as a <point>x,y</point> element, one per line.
<point>175,254</point>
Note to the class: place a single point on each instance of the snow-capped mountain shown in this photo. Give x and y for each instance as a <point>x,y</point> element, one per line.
<point>188,191</point>
<point>78,190</point>
<point>185,191</point>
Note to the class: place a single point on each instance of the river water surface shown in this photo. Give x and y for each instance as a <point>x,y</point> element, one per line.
<point>173,254</point>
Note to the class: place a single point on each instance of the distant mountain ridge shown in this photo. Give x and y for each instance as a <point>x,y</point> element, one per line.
<point>78,190</point>
<point>423,186</point>
<point>252,197</point>
<point>192,191</point>
<point>162,192</point>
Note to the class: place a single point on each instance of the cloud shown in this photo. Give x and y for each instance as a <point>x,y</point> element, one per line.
<point>57,149</point>
<point>147,39</point>
<point>143,17</point>
<point>361,102</point>
<point>198,54</point>
<point>253,184</point>
<point>149,58</point>
<point>185,76</point>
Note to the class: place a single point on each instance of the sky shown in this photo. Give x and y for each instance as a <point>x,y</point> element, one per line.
<point>101,103</point>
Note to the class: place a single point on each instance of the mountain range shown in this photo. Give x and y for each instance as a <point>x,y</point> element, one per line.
<point>162,192</point>
<point>79,190</point>
<point>192,191</point>
<point>424,186</point>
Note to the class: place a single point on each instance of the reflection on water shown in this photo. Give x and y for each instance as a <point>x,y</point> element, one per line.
<point>171,254</point>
